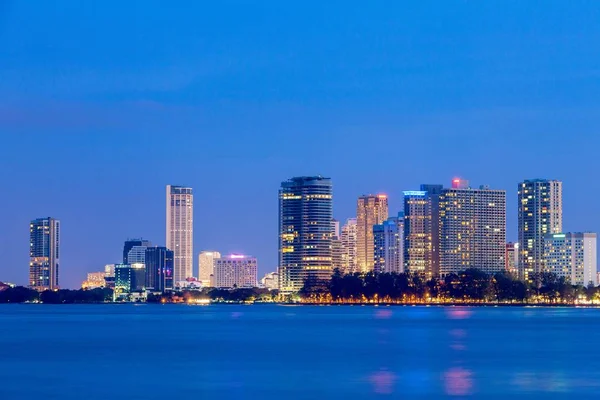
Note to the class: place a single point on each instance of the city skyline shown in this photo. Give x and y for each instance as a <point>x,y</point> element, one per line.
<point>135,248</point>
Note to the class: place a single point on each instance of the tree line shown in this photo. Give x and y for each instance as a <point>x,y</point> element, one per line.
<point>471,285</point>
<point>20,294</point>
<point>240,295</point>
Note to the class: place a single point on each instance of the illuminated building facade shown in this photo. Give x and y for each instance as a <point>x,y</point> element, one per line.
<point>109,270</point>
<point>348,246</point>
<point>129,278</point>
<point>572,256</point>
<point>371,210</point>
<point>418,243</point>
<point>180,230</point>
<point>44,254</point>
<point>472,230</point>
<point>94,280</point>
<point>305,231</point>
<point>236,271</point>
<point>159,269</point>
<point>539,214</point>
<point>206,266</point>
<point>270,281</point>
<point>388,245</point>
<point>336,246</point>
<point>512,258</point>
<point>109,275</point>
<point>433,192</point>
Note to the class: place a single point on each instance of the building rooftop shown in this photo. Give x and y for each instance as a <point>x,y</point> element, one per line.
<point>301,180</point>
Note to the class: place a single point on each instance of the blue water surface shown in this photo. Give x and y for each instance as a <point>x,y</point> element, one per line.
<point>149,351</point>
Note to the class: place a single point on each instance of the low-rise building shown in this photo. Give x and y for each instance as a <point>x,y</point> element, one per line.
<point>236,271</point>
<point>129,278</point>
<point>189,284</point>
<point>270,281</point>
<point>572,256</point>
<point>94,280</point>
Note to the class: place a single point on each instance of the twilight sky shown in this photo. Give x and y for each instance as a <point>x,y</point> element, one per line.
<point>104,103</point>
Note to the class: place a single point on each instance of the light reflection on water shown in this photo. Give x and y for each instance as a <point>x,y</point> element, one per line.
<point>297,352</point>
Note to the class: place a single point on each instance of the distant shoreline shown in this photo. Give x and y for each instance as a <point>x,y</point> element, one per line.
<point>457,304</point>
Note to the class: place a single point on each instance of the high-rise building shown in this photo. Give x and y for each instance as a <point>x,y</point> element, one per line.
<point>236,271</point>
<point>472,230</point>
<point>539,214</point>
<point>400,224</point>
<point>44,254</point>
<point>336,253</point>
<point>109,275</point>
<point>433,192</point>
<point>572,256</point>
<point>371,210</point>
<point>418,234</point>
<point>134,251</point>
<point>206,266</point>
<point>180,230</point>
<point>336,246</point>
<point>305,231</point>
<point>348,244</point>
<point>336,227</point>
<point>388,238</point>
<point>512,258</point>
<point>159,269</point>
<point>129,278</point>
<point>381,234</point>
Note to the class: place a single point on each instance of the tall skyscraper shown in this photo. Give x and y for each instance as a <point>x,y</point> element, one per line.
<point>418,236</point>
<point>472,230</point>
<point>44,254</point>
<point>134,250</point>
<point>348,244</point>
<point>388,245</point>
<point>180,230</point>
<point>539,214</point>
<point>159,269</point>
<point>433,192</point>
<point>236,271</point>
<point>206,266</point>
<point>370,210</point>
<point>305,231</point>
<point>572,256</point>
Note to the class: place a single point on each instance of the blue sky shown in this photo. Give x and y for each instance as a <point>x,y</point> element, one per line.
<point>104,103</point>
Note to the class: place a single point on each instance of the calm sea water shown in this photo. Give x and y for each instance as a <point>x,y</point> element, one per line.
<point>296,352</point>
